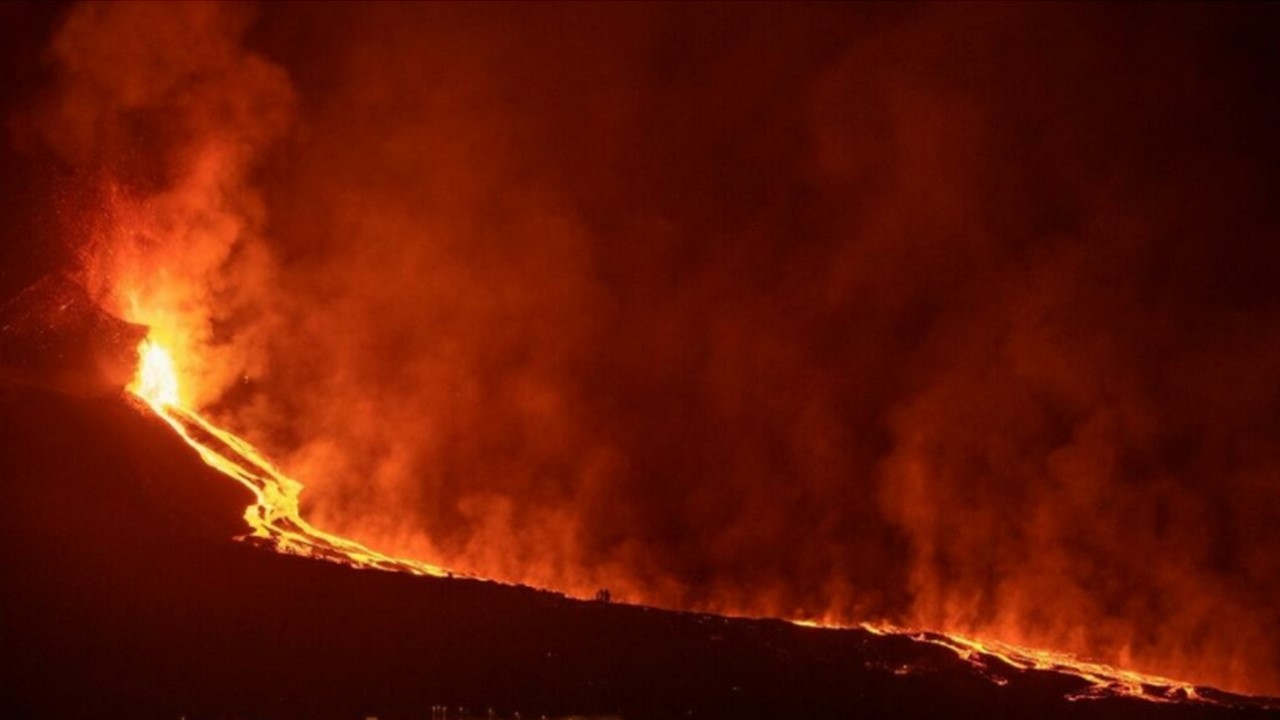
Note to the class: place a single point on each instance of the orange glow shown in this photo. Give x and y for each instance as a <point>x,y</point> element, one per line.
<point>988,419</point>
<point>274,517</point>
<point>157,380</point>
<point>1104,680</point>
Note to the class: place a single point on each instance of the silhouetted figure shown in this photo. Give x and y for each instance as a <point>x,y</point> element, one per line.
<point>603,595</point>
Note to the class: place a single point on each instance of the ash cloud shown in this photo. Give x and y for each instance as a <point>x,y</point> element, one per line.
<point>962,317</point>
<point>158,116</point>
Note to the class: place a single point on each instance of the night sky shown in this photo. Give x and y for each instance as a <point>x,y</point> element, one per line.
<point>956,316</point>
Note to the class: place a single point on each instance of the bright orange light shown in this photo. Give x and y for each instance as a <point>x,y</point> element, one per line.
<point>275,517</point>
<point>156,380</point>
<point>1104,680</point>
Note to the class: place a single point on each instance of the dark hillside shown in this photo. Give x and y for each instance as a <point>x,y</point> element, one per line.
<point>124,596</point>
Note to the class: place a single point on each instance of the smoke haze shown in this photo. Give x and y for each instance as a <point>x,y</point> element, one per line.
<point>963,317</point>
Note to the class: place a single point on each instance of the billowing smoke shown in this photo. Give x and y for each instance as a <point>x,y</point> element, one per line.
<point>962,317</point>
<point>162,114</point>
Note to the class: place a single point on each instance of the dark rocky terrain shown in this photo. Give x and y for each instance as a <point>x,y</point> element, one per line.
<point>124,595</point>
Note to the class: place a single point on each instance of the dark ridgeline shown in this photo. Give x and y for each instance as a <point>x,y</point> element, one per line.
<point>124,595</point>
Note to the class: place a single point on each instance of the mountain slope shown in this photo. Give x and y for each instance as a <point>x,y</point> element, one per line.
<point>124,594</point>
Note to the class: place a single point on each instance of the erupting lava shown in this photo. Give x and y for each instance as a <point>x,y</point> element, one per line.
<point>842,320</point>
<point>276,520</point>
<point>274,516</point>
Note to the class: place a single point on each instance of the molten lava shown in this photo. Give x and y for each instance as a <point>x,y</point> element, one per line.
<point>1103,680</point>
<point>274,517</point>
<point>157,380</point>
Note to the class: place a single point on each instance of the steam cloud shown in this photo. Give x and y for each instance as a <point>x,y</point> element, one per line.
<point>962,317</point>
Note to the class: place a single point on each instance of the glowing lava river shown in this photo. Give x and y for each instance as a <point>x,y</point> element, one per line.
<point>275,517</point>
<point>275,520</point>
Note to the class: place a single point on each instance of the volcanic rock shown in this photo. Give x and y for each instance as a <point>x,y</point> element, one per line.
<point>53,335</point>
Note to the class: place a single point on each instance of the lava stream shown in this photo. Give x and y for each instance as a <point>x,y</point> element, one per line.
<point>275,518</point>
<point>1103,680</point>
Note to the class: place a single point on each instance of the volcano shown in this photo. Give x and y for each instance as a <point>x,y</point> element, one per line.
<point>857,359</point>
<point>126,594</point>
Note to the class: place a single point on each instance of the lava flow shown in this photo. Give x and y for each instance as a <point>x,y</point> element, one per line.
<point>986,656</point>
<point>1104,680</point>
<point>274,517</point>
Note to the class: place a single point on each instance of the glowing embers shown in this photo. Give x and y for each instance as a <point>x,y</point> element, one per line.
<point>275,516</point>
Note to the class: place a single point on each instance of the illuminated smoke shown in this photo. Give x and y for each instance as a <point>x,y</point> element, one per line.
<point>949,316</point>
<point>166,114</point>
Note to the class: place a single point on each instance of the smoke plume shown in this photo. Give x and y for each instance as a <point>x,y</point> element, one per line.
<point>963,317</point>
<point>162,114</point>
